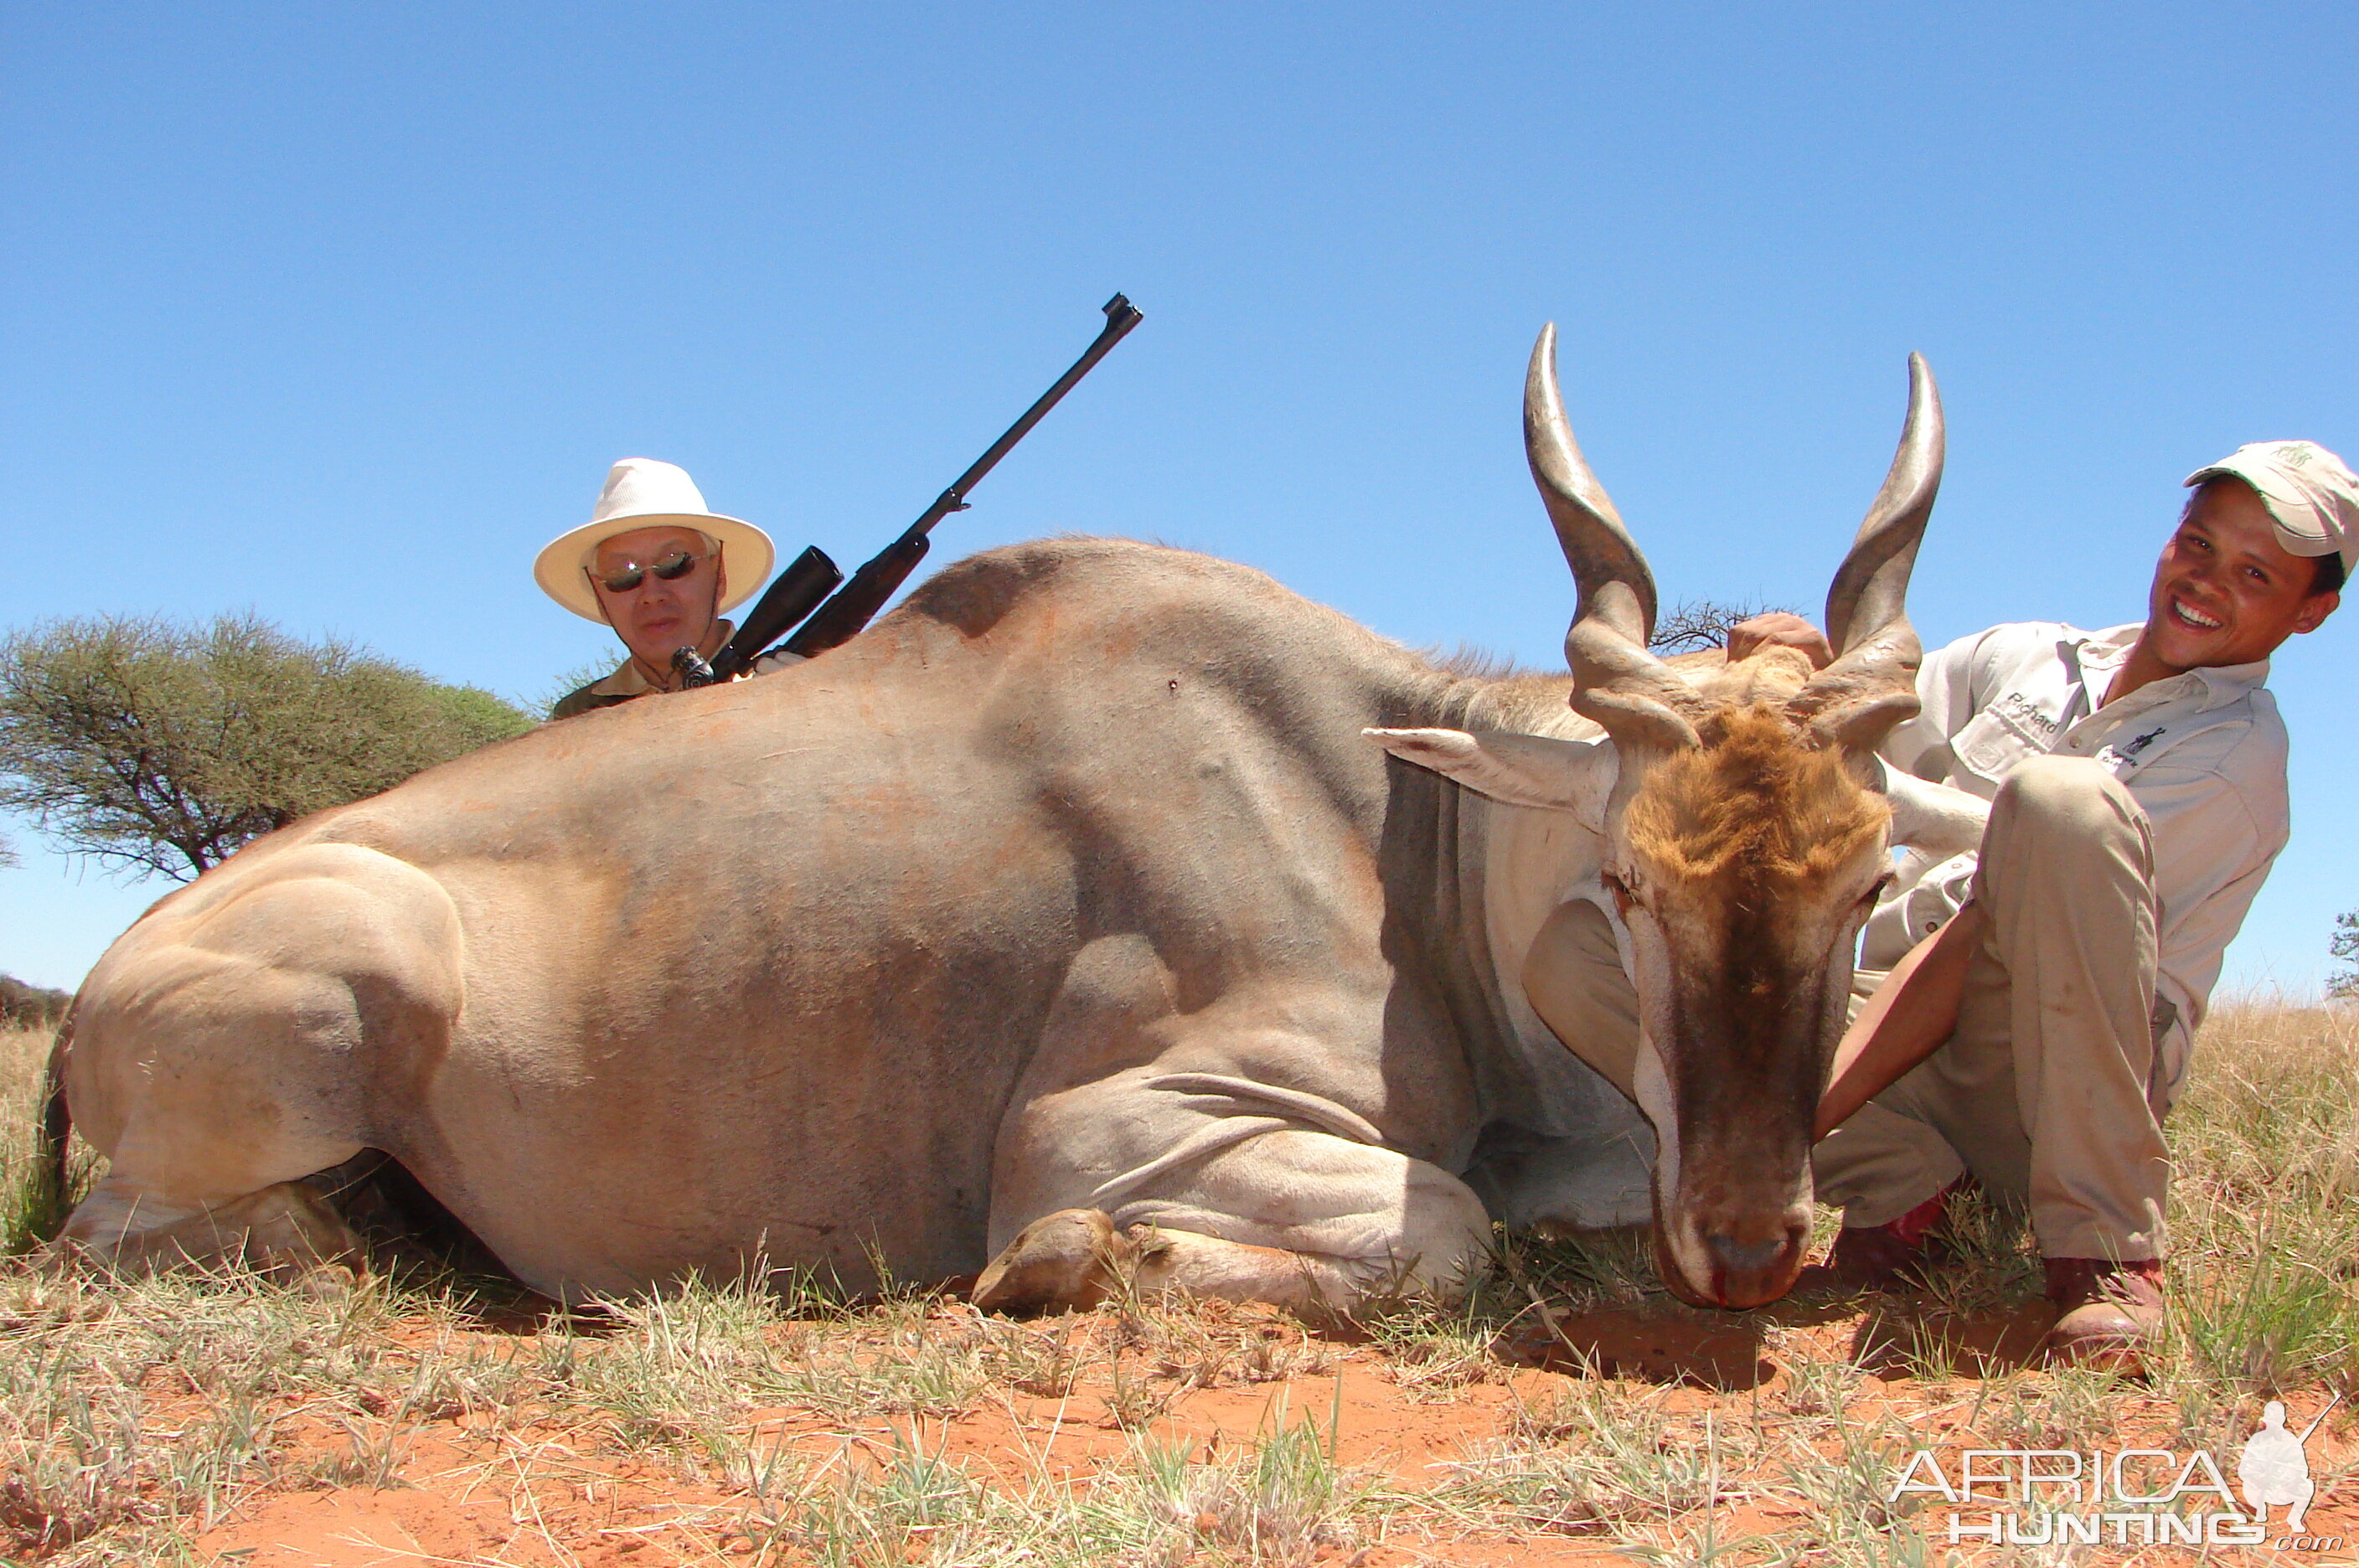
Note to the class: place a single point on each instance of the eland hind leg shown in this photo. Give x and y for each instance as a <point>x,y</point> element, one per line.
<point>229,1044</point>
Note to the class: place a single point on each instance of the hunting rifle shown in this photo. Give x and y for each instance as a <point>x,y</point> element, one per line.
<point>801,586</point>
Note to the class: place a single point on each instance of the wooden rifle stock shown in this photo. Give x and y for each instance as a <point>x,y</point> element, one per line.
<point>855,604</point>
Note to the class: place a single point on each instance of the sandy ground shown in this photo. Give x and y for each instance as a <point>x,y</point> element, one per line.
<point>549,1486</point>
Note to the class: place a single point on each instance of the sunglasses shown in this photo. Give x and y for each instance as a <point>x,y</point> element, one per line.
<point>669,567</point>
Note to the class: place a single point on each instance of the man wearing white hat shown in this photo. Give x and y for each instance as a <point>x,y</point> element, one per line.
<point>2043,991</point>
<point>659,566</point>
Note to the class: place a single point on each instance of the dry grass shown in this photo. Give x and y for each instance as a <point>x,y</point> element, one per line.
<point>145,1422</point>
<point>29,1208</point>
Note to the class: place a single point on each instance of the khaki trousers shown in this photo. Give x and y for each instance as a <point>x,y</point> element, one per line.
<point>2046,1091</point>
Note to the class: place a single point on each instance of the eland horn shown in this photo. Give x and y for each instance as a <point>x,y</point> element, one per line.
<point>1616,680</point>
<point>1872,684</point>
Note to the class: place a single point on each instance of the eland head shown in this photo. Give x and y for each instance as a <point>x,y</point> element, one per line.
<point>1745,842</point>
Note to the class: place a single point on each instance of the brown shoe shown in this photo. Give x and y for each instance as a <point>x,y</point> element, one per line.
<point>2111,1315</point>
<point>1868,1257</point>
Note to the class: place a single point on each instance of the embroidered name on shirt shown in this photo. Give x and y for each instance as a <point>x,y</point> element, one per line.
<point>2023,710</point>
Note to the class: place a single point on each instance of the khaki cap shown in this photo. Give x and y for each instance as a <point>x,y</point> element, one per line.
<point>2312,493</point>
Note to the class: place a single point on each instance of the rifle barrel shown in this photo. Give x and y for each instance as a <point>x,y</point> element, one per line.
<point>1121,316</point>
<point>857,602</point>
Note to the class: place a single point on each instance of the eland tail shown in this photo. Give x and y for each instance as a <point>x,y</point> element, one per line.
<point>47,1208</point>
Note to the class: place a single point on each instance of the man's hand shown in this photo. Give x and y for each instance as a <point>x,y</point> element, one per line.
<point>1780,628</point>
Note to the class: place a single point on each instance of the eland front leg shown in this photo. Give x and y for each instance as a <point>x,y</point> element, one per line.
<point>1226,1188</point>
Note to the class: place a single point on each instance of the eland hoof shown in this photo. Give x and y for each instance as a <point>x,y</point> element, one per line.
<point>1066,1261</point>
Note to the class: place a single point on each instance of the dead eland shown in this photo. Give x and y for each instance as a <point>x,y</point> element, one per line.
<point>1065,923</point>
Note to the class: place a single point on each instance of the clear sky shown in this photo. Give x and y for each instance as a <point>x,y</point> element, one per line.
<point>337,312</point>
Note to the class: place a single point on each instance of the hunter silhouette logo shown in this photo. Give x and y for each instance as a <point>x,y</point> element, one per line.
<point>2275,1469</point>
<point>2132,1496</point>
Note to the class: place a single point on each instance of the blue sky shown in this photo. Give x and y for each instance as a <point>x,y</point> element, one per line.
<point>337,312</point>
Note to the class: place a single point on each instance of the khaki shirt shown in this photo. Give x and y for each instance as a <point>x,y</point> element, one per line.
<point>628,682</point>
<point>2202,753</point>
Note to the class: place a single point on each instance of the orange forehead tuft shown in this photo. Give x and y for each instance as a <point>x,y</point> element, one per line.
<point>1753,803</point>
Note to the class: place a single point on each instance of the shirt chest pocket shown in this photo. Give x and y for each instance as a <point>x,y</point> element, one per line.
<point>1992,743</point>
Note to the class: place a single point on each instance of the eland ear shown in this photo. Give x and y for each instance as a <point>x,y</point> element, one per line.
<point>1515,769</point>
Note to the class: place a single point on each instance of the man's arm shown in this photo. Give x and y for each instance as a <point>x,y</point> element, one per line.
<point>1946,686</point>
<point>1906,1021</point>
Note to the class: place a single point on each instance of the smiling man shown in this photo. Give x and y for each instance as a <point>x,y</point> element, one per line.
<point>659,566</point>
<point>2044,991</point>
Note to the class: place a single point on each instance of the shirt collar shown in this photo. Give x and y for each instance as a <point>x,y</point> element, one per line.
<point>2102,653</point>
<point>624,682</point>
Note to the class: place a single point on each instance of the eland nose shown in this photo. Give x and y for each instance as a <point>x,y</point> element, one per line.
<point>1744,1257</point>
<point>1755,1262</point>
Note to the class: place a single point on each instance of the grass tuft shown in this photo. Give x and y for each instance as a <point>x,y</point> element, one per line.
<point>33,1204</point>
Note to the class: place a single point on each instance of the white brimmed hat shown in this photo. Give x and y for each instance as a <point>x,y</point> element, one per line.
<point>2309,491</point>
<point>642,493</point>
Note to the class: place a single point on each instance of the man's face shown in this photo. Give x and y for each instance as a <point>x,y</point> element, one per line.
<point>657,616</point>
<point>2225,591</point>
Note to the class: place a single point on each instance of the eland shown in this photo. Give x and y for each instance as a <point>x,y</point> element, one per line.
<point>1065,927</point>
